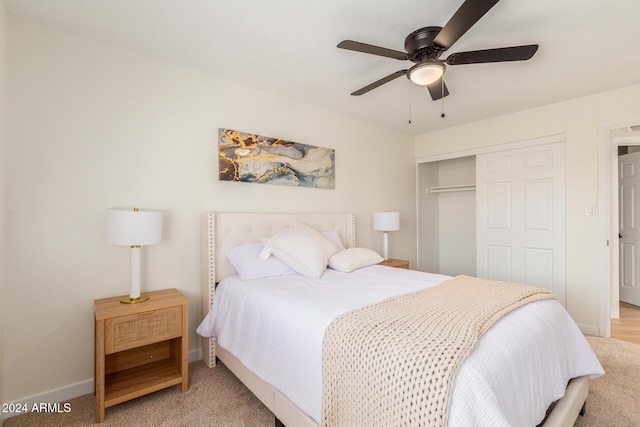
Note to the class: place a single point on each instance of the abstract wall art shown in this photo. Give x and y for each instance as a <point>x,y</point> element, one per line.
<point>246,157</point>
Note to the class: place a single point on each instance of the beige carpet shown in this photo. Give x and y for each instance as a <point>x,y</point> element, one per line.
<point>217,398</point>
<point>614,398</point>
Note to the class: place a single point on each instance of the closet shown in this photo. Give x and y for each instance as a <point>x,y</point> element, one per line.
<point>448,216</point>
<point>496,214</point>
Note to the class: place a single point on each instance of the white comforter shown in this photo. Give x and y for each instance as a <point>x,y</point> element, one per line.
<point>519,367</point>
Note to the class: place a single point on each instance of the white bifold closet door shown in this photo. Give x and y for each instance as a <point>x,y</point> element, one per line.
<point>520,228</point>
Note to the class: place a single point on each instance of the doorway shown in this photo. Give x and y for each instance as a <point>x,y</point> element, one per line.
<point>612,136</point>
<point>628,178</point>
<point>627,327</point>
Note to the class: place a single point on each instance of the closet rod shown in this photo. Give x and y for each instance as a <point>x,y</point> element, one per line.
<point>451,188</point>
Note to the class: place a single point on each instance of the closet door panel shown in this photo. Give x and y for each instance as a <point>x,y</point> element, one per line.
<point>498,263</point>
<point>498,164</point>
<point>498,205</point>
<point>538,267</point>
<point>520,217</point>
<point>538,205</point>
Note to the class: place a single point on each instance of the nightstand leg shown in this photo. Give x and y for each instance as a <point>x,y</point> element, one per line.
<point>99,370</point>
<point>184,351</point>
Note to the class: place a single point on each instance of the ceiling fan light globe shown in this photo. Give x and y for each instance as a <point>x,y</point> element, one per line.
<point>426,73</point>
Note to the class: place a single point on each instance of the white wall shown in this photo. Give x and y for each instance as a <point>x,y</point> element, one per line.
<point>3,169</point>
<point>429,176</point>
<point>92,126</point>
<point>579,120</point>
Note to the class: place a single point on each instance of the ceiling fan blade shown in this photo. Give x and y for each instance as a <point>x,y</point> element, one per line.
<point>502,54</point>
<point>373,50</point>
<point>436,89</point>
<point>379,82</point>
<point>465,17</point>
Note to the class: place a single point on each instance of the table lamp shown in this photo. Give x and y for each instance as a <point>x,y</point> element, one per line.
<point>134,227</point>
<point>385,222</point>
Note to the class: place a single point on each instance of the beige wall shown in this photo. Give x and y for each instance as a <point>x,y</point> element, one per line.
<point>3,169</point>
<point>579,120</point>
<point>93,126</point>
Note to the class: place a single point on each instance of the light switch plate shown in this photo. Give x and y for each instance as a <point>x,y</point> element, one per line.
<point>589,209</point>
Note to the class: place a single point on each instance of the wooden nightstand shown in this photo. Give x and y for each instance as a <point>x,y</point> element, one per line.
<point>397,263</point>
<point>139,348</point>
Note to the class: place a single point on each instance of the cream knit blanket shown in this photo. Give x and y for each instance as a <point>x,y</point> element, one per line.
<point>394,363</point>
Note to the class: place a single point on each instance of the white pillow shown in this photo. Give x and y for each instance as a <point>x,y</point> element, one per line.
<point>334,237</point>
<point>247,262</point>
<point>302,248</point>
<point>353,259</point>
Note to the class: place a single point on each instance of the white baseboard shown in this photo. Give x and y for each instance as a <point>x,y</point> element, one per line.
<point>195,355</point>
<point>589,330</point>
<point>61,394</point>
<point>65,393</point>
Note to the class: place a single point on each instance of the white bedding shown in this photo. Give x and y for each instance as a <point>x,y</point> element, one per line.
<point>275,326</point>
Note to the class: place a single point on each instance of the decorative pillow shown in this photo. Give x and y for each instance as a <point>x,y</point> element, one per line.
<point>334,237</point>
<point>353,259</point>
<point>302,248</point>
<point>247,262</point>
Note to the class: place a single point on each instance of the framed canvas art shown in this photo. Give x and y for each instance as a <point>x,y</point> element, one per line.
<point>247,157</point>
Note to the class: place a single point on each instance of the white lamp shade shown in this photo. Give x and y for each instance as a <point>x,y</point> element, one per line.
<point>386,221</point>
<point>134,227</point>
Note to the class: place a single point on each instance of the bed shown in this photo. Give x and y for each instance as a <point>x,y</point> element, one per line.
<point>290,389</point>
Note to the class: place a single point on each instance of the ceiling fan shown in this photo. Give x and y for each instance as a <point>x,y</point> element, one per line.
<point>425,46</point>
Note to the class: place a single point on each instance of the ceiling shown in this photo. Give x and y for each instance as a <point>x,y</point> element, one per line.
<point>288,47</point>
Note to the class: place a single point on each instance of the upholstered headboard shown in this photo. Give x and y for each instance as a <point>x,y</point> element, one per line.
<point>224,230</point>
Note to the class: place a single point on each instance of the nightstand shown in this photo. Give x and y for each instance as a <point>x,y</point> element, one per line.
<point>397,263</point>
<point>139,348</point>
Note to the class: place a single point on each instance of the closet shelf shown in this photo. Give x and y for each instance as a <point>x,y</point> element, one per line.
<point>450,188</point>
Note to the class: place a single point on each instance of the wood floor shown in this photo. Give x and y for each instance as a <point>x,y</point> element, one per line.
<point>627,327</point>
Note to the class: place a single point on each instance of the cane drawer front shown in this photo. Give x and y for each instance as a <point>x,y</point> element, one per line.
<point>135,330</point>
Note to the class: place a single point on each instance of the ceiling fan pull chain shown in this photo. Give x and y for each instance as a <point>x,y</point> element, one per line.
<point>442,86</point>
<point>409,86</point>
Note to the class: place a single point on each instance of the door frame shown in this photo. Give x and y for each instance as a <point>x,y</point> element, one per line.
<point>608,253</point>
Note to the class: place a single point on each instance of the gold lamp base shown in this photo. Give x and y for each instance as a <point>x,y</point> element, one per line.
<point>134,300</point>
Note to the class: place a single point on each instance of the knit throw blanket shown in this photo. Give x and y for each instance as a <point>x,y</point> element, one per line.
<point>394,363</point>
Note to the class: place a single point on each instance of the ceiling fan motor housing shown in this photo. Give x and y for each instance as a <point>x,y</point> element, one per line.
<point>419,44</point>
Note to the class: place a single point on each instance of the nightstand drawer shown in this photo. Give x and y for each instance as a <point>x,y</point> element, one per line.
<point>136,330</point>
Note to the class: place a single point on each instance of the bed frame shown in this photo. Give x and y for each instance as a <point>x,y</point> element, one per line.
<point>222,230</point>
